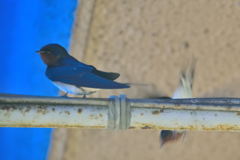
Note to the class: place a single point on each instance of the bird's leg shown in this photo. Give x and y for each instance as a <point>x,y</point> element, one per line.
<point>84,93</point>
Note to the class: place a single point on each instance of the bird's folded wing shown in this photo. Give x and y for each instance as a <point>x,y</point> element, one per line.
<point>106,75</point>
<point>82,78</point>
<point>71,61</point>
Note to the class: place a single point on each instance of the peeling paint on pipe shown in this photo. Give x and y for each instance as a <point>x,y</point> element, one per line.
<point>53,112</point>
<point>187,114</point>
<point>144,118</point>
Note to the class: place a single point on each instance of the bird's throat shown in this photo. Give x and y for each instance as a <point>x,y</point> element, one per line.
<point>49,60</point>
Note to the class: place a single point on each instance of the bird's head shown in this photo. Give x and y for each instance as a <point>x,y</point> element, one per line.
<point>51,54</point>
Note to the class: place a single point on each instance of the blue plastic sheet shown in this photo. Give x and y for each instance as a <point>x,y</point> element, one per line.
<point>25,26</point>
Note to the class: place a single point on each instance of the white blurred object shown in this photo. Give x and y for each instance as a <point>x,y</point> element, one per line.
<point>184,90</point>
<point>186,82</point>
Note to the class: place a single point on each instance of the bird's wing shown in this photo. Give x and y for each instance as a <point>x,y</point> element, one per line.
<point>81,77</point>
<point>69,60</point>
<point>107,75</point>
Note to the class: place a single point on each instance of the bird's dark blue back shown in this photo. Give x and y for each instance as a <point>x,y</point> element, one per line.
<point>81,76</point>
<point>71,61</point>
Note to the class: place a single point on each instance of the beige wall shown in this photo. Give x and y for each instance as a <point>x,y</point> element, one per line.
<point>150,41</point>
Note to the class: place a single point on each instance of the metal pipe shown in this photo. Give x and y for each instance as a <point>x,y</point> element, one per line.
<point>121,113</point>
<point>29,111</point>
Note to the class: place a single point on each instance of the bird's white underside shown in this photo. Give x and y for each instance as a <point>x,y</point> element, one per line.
<point>71,89</point>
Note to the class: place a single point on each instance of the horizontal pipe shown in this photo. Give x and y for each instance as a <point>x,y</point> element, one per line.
<point>213,104</point>
<point>186,114</point>
<point>150,118</point>
<point>6,98</point>
<point>121,113</point>
<point>30,111</point>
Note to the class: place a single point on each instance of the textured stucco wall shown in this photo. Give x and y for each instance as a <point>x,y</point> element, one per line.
<point>150,42</point>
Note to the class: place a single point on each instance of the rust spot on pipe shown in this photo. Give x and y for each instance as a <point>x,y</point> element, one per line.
<point>223,127</point>
<point>79,110</point>
<point>24,109</point>
<point>27,109</point>
<point>42,110</point>
<point>67,112</point>
<point>94,116</point>
<point>189,127</point>
<point>156,112</point>
<point>8,107</point>
<point>146,127</point>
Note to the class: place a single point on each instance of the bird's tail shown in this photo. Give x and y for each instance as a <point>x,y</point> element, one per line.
<point>107,75</point>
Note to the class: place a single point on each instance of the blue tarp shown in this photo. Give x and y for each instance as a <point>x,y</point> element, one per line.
<point>25,26</point>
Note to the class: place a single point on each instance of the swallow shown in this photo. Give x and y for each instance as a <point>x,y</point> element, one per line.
<point>183,91</point>
<point>74,77</point>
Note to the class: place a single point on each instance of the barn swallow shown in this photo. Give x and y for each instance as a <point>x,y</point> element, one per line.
<point>183,91</point>
<point>74,77</point>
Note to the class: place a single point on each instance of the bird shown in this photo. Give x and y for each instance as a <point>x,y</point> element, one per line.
<point>74,77</point>
<point>184,90</point>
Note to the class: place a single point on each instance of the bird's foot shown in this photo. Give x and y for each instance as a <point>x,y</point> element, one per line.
<point>64,94</point>
<point>85,93</point>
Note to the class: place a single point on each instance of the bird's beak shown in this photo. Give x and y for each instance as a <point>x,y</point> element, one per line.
<point>40,52</point>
